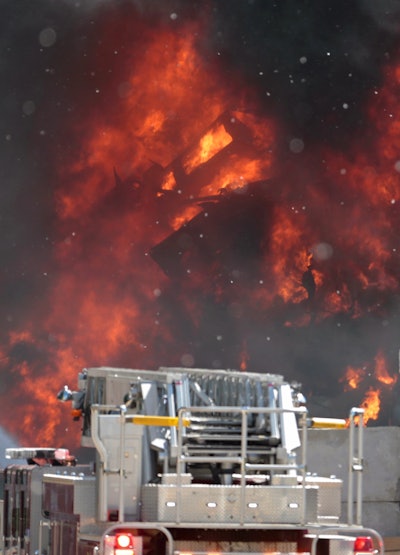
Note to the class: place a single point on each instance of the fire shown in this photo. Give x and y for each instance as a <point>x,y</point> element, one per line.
<point>353,377</point>
<point>169,182</point>
<point>104,302</point>
<point>210,144</point>
<point>381,372</point>
<point>371,405</point>
<point>287,246</point>
<point>185,233</point>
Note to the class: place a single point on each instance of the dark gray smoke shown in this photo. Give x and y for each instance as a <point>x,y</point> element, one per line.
<point>312,65</point>
<point>309,60</point>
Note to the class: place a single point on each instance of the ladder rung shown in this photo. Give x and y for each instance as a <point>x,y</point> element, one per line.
<point>251,466</point>
<point>212,459</point>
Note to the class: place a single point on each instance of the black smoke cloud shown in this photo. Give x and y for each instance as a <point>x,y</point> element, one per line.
<point>309,60</point>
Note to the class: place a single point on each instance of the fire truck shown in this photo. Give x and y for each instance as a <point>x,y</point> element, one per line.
<point>185,462</point>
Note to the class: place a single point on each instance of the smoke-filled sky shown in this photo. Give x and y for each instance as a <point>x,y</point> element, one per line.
<point>293,269</point>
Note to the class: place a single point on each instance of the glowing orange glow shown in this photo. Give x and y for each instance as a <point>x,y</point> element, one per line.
<point>210,144</point>
<point>340,300</point>
<point>371,404</point>
<point>20,336</point>
<point>290,259</point>
<point>244,358</point>
<point>169,182</point>
<point>237,175</point>
<point>157,120</point>
<point>353,377</point>
<point>381,372</point>
<point>139,172</point>
<point>185,216</point>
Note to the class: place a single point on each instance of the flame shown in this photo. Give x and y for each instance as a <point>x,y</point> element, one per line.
<point>169,182</point>
<point>179,159</point>
<point>353,377</point>
<point>210,144</point>
<point>289,259</point>
<point>381,372</point>
<point>105,295</point>
<point>371,405</point>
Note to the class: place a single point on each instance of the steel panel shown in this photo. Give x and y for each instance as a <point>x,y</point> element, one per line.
<point>201,503</point>
<point>329,496</point>
<point>329,493</point>
<point>71,495</point>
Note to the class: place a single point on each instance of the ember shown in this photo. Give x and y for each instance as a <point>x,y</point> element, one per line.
<point>192,225</point>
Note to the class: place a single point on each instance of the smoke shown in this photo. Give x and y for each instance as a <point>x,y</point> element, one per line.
<point>66,67</point>
<point>5,441</point>
<point>312,63</point>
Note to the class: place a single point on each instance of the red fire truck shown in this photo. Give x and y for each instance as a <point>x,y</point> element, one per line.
<point>185,462</point>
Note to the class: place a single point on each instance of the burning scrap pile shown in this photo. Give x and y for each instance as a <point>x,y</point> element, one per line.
<point>192,226</point>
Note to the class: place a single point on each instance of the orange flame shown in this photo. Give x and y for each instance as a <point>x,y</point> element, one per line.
<point>157,120</point>
<point>371,404</point>
<point>210,144</point>
<point>103,304</point>
<point>381,372</point>
<point>353,377</point>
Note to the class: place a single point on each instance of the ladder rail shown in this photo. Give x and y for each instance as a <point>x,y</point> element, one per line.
<point>356,466</point>
<point>183,458</point>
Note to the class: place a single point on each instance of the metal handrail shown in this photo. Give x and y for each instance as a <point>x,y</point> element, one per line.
<point>356,465</point>
<point>182,458</point>
<point>184,417</point>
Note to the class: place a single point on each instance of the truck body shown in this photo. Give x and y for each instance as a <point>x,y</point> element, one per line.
<point>185,461</point>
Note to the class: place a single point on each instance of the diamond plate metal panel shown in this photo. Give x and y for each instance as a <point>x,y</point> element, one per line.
<point>329,496</point>
<point>202,503</point>
<point>329,493</point>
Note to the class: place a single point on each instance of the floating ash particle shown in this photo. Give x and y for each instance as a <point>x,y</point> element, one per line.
<point>322,251</point>
<point>28,107</point>
<point>47,37</point>
<point>296,145</point>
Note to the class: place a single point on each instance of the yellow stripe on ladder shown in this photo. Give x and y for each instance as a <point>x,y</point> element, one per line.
<point>146,420</point>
